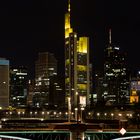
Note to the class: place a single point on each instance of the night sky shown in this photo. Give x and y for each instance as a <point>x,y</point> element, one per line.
<point>28,27</point>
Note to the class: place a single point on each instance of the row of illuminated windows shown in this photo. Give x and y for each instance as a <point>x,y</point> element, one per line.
<point>79,67</point>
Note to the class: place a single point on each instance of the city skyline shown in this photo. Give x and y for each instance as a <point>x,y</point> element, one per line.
<point>30,27</point>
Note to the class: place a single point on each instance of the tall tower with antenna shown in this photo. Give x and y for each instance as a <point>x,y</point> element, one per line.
<point>76,65</point>
<point>115,75</point>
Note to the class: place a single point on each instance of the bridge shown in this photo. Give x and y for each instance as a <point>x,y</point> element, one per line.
<point>39,129</point>
<point>65,135</point>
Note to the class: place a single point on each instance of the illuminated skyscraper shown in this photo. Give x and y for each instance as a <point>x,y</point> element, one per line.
<point>116,75</point>
<point>4,83</point>
<point>18,87</point>
<point>77,83</point>
<point>45,67</point>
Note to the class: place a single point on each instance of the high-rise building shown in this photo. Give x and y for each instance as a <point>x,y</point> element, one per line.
<point>45,67</point>
<point>4,83</point>
<point>77,83</point>
<point>18,87</point>
<point>98,87</point>
<point>31,87</point>
<point>116,75</point>
<point>56,90</point>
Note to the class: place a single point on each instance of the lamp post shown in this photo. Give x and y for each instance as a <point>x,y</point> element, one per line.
<point>98,115</point>
<point>31,114</point>
<point>112,114</point>
<point>76,114</point>
<point>43,114</point>
<point>19,114</point>
<point>69,109</point>
<point>77,107</point>
<point>82,108</point>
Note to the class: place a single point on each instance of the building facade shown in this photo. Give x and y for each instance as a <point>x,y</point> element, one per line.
<point>18,87</point>
<point>115,75</point>
<point>77,83</point>
<point>45,67</point>
<point>4,83</point>
<point>56,92</point>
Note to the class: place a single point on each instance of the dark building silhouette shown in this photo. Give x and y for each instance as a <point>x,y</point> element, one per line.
<point>115,75</point>
<point>18,87</point>
<point>56,92</point>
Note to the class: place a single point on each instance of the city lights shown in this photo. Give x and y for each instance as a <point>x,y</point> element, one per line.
<point>82,82</point>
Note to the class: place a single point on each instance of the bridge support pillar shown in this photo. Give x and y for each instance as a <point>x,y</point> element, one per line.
<point>77,131</point>
<point>77,135</point>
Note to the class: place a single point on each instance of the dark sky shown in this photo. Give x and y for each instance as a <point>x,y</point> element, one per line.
<point>28,27</point>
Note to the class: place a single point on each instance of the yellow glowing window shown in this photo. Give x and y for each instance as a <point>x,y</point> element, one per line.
<point>67,61</point>
<point>134,99</point>
<point>67,21</point>
<point>67,42</point>
<point>82,45</point>
<point>67,80</point>
<point>81,68</point>
<point>134,92</point>
<point>82,86</point>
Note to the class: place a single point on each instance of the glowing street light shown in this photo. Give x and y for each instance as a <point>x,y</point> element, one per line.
<point>76,114</point>
<point>120,114</point>
<point>31,114</point>
<point>10,113</point>
<point>112,115</point>
<point>19,113</point>
<point>69,109</point>
<point>98,115</point>
<point>82,108</point>
<point>54,113</point>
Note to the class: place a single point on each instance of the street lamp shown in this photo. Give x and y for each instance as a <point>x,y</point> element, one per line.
<point>69,109</point>
<point>77,106</point>
<point>76,114</point>
<point>98,114</point>
<point>10,114</point>
<point>43,114</point>
<point>105,114</point>
<point>31,114</point>
<point>35,114</point>
<point>23,113</point>
<point>19,114</point>
<point>120,114</point>
<point>82,108</point>
<point>112,114</point>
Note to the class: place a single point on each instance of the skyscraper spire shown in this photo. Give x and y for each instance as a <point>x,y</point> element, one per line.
<point>110,36</point>
<point>68,5</point>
